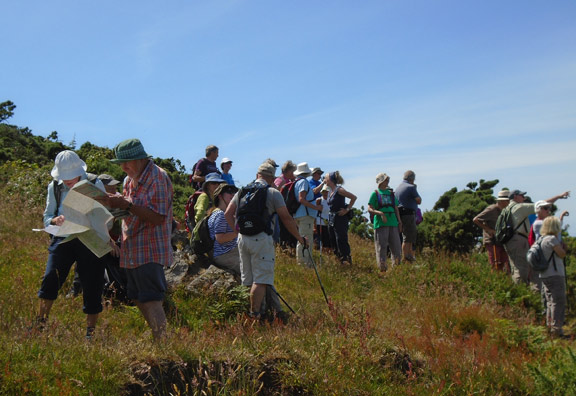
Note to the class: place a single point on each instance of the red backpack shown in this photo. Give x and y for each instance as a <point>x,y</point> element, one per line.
<point>189,211</point>
<point>289,195</point>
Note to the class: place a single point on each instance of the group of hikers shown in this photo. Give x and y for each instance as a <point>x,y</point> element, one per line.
<point>511,228</point>
<point>238,229</point>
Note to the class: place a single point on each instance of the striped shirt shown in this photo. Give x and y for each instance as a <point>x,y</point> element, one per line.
<point>143,242</point>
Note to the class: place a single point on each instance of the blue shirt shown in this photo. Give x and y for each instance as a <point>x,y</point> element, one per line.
<point>406,194</point>
<point>228,178</point>
<point>303,185</point>
<point>313,184</point>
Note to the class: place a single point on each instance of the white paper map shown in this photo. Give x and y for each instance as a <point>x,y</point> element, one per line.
<point>86,219</point>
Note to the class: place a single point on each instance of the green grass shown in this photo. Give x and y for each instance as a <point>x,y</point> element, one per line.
<point>445,325</point>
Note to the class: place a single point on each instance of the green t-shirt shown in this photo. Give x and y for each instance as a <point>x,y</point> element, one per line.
<point>387,207</point>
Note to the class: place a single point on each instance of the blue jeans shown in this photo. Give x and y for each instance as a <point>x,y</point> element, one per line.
<point>90,268</point>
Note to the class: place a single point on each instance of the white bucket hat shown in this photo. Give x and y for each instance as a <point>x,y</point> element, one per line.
<point>302,169</point>
<point>68,166</point>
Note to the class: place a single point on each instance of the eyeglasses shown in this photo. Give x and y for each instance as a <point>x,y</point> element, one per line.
<point>546,207</point>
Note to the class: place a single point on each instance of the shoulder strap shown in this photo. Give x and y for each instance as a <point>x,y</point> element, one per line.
<point>57,195</point>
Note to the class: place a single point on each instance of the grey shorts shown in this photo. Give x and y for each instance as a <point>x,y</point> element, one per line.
<point>146,283</point>
<point>409,231</point>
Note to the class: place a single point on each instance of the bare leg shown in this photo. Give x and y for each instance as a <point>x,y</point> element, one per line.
<point>153,312</point>
<point>257,294</point>
<point>44,308</point>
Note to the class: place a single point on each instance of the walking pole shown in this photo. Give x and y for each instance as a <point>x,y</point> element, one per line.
<point>284,301</point>
<point>317,275</point>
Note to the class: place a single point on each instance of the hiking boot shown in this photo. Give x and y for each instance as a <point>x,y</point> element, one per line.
<point>90,333</point>
<point>38,325</point>
<point>409,258</point>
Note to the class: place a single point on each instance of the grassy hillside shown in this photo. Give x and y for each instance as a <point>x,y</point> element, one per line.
<point>445,325</point>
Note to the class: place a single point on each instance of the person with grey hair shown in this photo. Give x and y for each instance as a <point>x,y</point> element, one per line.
<point>287,174</point>
<point>285,238</point>
<point>257,253</point>
<point>205,166</point>
<point>408,199</point>
<point>383,205</point>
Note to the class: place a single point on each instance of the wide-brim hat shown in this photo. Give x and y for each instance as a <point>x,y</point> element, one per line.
<point>503,195</point>
<point>317,169</point>
<point>381,177</point>
<point>108,180</point>
<point>225,187</point>
<point>213,177</point>
<point>302,169</point>
<point>68,166</point>
<point>129,150</point>
<point>225,161</point>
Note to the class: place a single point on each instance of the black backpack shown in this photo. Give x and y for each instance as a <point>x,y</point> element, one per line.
<point>201,241</point>
<point>253,217</point>
<point>536,259</point>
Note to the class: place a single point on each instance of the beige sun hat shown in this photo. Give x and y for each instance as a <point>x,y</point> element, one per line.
<point>302,169</point>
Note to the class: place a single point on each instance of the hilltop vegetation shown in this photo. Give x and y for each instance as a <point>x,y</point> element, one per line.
<point>445,325</point>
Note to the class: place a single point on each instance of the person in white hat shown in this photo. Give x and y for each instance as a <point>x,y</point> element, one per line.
<point>306,212</point>
<point>226,165</point>
<point>543,209</point>
<point>486,220</point>
<point>68,170</point>
<point>383,206</point>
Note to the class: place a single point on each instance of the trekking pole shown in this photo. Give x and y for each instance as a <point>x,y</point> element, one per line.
<point>317,275</point>
<point>284,301</point>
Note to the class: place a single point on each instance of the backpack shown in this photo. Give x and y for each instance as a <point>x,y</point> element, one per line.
<point>381,204</point>
<point>505,226</point>
<point>201,241</point>
<point>58,189</point>
<point>289,194</point>
<point>189,213</point>
<point>252,217</point>
<point>536,258</point>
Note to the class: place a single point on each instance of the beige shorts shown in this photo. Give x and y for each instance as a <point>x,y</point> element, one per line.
<point>257,257</point>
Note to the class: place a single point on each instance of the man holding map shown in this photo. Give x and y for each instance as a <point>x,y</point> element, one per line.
<point>146,247</point>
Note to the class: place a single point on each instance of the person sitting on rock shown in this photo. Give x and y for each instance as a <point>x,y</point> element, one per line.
<point>226,254</point>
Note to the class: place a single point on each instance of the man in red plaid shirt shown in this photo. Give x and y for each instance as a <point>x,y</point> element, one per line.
<point>146,247</point>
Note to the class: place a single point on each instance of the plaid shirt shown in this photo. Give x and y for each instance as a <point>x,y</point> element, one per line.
<point>143,242</point>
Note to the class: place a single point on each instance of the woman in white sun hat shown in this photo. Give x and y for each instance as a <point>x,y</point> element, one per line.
<point>68,170</point>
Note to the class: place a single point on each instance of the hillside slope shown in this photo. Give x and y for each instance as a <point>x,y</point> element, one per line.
<point>444,325</point>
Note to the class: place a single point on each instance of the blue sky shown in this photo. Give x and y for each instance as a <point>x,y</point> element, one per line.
<point>454,90</point>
